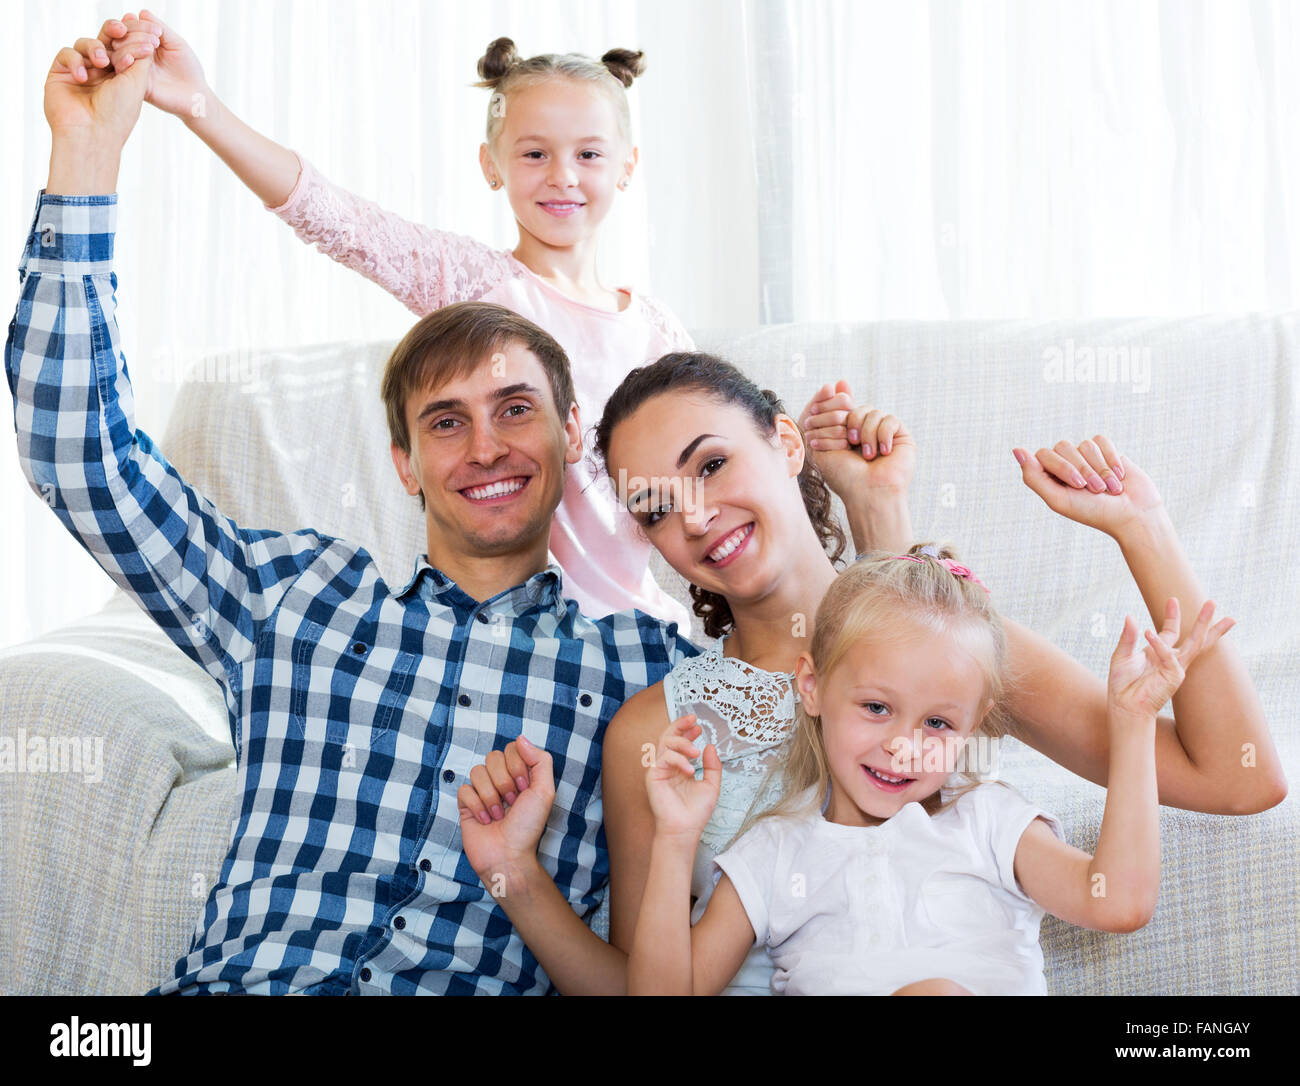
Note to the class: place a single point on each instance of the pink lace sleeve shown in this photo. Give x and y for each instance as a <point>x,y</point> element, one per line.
<point>422,268</point>
<point>665,321</point>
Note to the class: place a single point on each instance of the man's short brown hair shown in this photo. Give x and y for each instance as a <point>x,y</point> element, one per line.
<point>452,342</point>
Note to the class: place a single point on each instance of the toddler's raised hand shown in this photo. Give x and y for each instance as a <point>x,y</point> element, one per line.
<point>680,803</point>
<point>1143,678</point>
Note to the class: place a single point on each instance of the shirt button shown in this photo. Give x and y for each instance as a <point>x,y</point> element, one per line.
<point>425,865</point>
<point>365,975</point>
<point>481,617</point>
<point>463,699</point>
<point>358,648</point>
<point>448,776</point>
<point>399,922</point>
<point>585,699</point>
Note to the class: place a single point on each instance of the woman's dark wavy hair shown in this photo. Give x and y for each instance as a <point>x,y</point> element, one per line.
<point>696,371</point>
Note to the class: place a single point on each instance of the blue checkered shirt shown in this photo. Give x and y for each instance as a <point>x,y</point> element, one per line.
<point>356,711</point>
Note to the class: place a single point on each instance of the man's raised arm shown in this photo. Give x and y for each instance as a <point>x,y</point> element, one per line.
<point>208,583</point>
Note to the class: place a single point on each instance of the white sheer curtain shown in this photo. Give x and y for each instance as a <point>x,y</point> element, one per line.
<point>1032,159</point>
<point>800,160</point>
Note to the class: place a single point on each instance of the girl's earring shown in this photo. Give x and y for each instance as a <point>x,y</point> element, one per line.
<point>493,182</point>
<point>623,184</point>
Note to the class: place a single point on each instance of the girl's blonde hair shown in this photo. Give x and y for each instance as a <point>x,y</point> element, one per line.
<point>863,603</point>
<point>505,71</point>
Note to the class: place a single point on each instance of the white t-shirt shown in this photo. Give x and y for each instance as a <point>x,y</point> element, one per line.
<point>851,910</point>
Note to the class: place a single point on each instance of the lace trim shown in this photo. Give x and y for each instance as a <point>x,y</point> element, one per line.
<point>756,706</point>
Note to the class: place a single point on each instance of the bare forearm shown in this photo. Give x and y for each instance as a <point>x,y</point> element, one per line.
<point>1218,717</point>
<point>83,164</point>
<point>660,962</point>
<point>880,520</point>
<point>1124,876</point>
<point>267,168</point>
<point>577,960</point>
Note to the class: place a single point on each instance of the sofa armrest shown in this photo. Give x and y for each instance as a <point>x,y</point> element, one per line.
<point>116,805</point>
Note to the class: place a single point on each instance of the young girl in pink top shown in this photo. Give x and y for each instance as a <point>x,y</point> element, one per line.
<point>559,146</point>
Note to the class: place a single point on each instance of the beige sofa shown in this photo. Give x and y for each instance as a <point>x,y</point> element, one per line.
<point>101,881</point>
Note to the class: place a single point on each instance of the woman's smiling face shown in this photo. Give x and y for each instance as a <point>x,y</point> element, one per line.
<point>716,498</point>
<point>561,155</point>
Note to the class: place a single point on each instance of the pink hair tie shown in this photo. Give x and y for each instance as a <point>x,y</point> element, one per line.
<point>956,569</point>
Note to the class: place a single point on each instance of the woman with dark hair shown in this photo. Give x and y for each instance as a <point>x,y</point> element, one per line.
<point>720,480</point>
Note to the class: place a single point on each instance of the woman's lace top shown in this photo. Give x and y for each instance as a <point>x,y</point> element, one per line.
<point>747,714</point>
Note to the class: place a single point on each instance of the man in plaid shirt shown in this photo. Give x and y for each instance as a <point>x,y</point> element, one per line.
<point>357,709</point>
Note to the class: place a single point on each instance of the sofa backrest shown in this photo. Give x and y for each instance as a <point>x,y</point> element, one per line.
<point>1206,406</point>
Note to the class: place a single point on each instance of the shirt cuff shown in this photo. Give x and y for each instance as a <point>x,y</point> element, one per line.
<point>297,188</point>
<point>71,235</point>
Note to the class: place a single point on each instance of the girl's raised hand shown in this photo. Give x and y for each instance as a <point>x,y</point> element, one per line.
<point>1142,678</point>
<point>504,808</point>
<point>176,84</point>
<point>856,446</point>
<point>680,803</point>
<point>1091,483</point>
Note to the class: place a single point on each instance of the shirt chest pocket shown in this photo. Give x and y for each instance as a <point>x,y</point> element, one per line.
<point>573,735</point>
<point>347,690</point>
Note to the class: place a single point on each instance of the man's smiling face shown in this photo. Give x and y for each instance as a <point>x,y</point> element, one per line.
<point>488,453</point>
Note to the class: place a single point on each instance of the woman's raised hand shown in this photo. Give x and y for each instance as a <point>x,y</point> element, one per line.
<point>504,808</point>
<point>856,446</point>
<point>1091,483</point>
<point>176,84</point>
<point>680,803</point>
<point>1142,678</point>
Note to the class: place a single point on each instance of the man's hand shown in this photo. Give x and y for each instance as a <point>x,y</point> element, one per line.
<point>91,112</point>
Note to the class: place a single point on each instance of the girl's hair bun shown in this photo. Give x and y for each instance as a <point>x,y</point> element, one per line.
<point>624,64</point>
<point>500,57</point>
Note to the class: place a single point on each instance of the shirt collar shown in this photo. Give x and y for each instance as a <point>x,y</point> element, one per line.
<point>543,589</point>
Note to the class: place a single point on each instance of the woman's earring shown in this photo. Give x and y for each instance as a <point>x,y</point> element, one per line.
<point>493,182</point>
<point>623,184</point>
